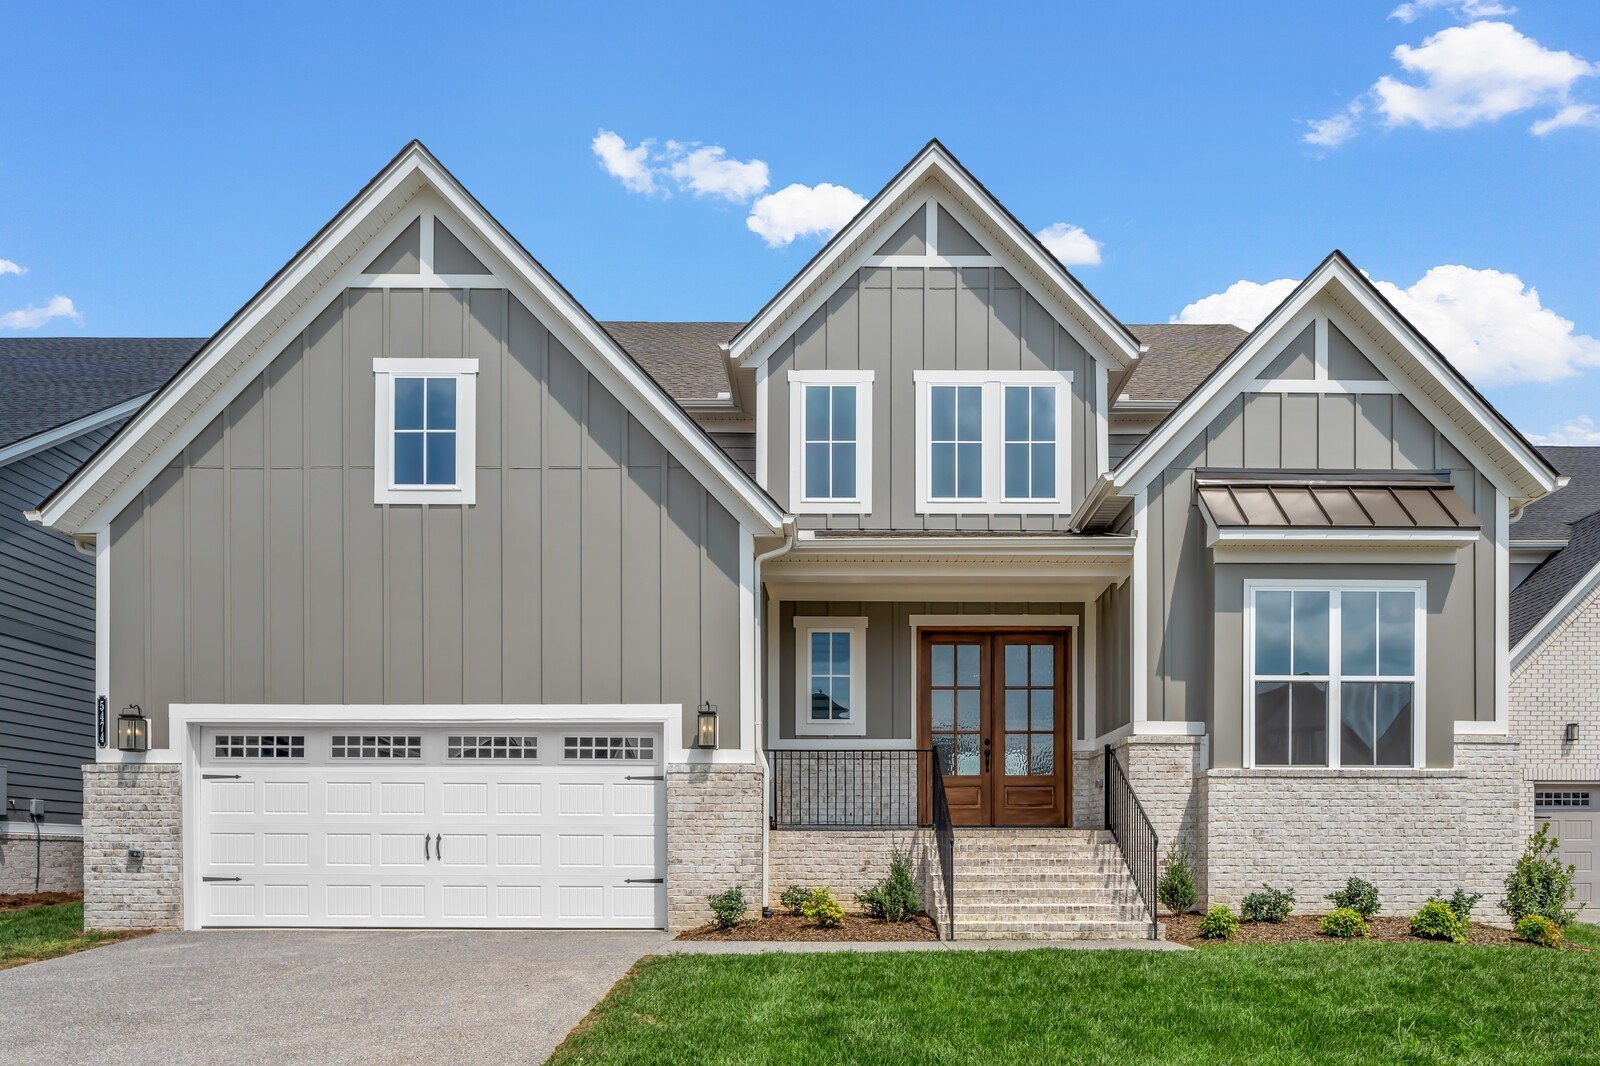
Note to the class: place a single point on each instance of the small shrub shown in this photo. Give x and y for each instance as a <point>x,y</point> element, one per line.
<point>1356,895</point>
<point>1176,890</point>
<point>1539,930</point>
<point>794,900</point>
<point>1540,884</point>
<point>895,898</point>
<point>1268,905</point>
<point>728,909</point>
<point>1220,923</point>
<point>1344,923</point>
<point>1437,921</point>
<point>1460,903</point>
<point>822,909</point>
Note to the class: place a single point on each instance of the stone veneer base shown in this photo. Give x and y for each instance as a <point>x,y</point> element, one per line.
<point>849,861</point>
<point>57,859</point>
<point>132,805</point>
<point>716,817</point>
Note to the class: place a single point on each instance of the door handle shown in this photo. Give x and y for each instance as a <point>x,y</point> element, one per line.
<point>425,855</point>
<point>438,846</point>
<point>988,754</point>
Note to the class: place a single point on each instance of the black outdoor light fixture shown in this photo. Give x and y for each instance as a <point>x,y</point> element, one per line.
<point>705,732</point>
<point>1572,733</point>
<point>133,729</point>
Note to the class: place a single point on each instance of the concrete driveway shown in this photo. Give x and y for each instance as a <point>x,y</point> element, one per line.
<point>335,996</point>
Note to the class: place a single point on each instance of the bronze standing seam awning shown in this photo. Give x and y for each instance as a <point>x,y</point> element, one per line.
<point>1333,501</point>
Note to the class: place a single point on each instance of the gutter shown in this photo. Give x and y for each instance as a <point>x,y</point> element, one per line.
<point>761,703</point>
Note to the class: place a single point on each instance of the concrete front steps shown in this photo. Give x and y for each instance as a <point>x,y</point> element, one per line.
<point>1044,884</point>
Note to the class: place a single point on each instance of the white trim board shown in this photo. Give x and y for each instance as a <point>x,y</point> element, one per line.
<point>1554,617</point>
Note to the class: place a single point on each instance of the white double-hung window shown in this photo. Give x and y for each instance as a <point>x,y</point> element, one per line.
<point>1334,674</point>
<point>993,442</point>
<point>424,448</point>
<point>830,465</point>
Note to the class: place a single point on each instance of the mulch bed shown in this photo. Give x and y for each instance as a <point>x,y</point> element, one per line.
<point>19,901</point>
<point>787,927</point>
<point>1185,929</point>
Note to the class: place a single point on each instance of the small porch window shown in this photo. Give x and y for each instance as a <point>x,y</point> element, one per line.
<point>830,670</point>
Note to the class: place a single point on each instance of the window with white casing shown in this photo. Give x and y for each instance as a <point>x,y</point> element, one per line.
<point>830,674</point>
<point>1334,674</point>
<point>425,443</point>
<point>993,442</point>
<point>830,416</point>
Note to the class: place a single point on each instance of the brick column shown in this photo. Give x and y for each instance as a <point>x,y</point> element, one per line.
<point>715,822</point>
<point>132,805</point>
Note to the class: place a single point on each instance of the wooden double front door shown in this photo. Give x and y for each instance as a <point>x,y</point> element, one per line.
<point>993,705</point>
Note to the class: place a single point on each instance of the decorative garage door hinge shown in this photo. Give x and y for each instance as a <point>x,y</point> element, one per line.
<point>645,777</point>
<point>219,879</point>
<point>219,777</point>
<point>644,880</point>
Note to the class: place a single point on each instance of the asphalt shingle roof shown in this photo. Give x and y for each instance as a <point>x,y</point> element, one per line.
<point>1181,355</point>
<point>1555,577</point>
<point>47,382</point>
<point>1550,517</point>
<point>1572,514</point>
<point>683,357</point>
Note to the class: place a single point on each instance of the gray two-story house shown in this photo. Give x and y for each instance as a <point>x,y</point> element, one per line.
<point>931,546</point>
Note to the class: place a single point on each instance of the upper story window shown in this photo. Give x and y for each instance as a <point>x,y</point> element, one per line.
<point>992,442</point>
<point>1335,674</point>
<point>831,454</point>
<point>830,671</point>
<point>426,422</point>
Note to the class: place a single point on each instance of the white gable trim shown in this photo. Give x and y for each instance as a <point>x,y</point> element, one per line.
<point>1517,469</point>
<point>77,427</point>
<point>1533,638</point>
<point>1040,273</point>
<point>266,316</point>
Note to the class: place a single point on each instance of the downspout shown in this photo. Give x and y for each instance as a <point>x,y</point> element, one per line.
<point>761,695</point>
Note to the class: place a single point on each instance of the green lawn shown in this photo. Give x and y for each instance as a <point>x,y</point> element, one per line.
<point>1285,1003</point>
<point>36,933</point>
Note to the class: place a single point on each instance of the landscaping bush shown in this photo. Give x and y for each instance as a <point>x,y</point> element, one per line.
<point>1268,905</point>
<point>1437,921</point>
<point>1356,895</point>
<point>728,909</point>
<point>1220,923</point>
<point>1460,903</point>
<point>794,899</point>
<point>1176,890</point>
<point>1540,930</point>
<point>1540,884</point>
<point>1344,923</point>
<point>895,898</point>
<point>822,909</point>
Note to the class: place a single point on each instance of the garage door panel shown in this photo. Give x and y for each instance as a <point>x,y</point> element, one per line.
<point>286,797</point>
<point>1573,812</point>
<point>466,798</point>
<point>464,849</point>
<point>517,849</point>
<point>282,902</point>
<point>513,797</point>
<point>233,849</point>
<point>347,797</point>
<point>348,849</point>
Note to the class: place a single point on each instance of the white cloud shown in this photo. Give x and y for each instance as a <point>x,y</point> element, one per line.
<point>32,317</point>
<point>1070,244</point>
<point>1334,130</point>
<point>1567,117</point>
<point>1467,10</point>
<point>1580,431</point>
<point>1244,303</point>
<point>1476,73</point>
<point>8,267</point>
<point>1490,325</point>
<point>707,171</point>
<point>631,166</point>
<point>803,210</point>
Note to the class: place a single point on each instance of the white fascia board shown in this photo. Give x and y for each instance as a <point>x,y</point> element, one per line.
<point>753,345</point>
<point>77,427</point>
<point>1555,616</point>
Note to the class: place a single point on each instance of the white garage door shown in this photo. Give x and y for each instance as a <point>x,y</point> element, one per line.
<point>1573,812</point>
<point>543,826</point>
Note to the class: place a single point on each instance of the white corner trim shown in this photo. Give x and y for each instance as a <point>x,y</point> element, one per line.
<point>856,724</point>
<point>1502,607</point>
<point>1139,592</point>
<point>799,381</point>
<point>465,374</point>
<point>77,427</point>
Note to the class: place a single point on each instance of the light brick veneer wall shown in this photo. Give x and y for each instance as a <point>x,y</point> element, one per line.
<point>849,861</point>
<point>59,860</point>
<point>1559,682</point>
<point>1165,774</point>
<point>132,805</point>
<point>715,820</point>
<point>1410,832</point>
<point>1089,790</point>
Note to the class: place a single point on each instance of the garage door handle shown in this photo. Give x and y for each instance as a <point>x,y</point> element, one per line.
<point>219,879</point>
<point>438,846</point>
<point>644,777</point>
<point>425,855</point>
<point>644,880</point>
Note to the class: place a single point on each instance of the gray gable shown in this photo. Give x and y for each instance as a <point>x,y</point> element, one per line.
<point>47,382</point>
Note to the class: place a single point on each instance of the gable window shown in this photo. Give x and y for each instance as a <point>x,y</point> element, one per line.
<point>831,455</point>
<point>426,420</point>
<point>1334,674</point>
<point>992,442</point>
<point>830,656</point>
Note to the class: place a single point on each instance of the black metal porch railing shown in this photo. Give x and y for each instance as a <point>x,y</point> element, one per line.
<point>944,838</point>
<point>1134,834</point>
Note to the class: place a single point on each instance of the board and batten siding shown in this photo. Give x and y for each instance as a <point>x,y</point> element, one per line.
<point>1195,628</point>
<point>46,637</point>
<point>592,569</point>
<point>895,321</point>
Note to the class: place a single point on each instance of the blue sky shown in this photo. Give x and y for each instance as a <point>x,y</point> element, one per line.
<point>159,163</point>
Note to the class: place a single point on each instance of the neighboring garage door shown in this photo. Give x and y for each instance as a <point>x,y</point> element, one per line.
<point>1573,812</point>
<point>542,826</point>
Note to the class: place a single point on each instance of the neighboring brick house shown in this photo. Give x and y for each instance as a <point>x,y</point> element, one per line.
<point>643,611</point>
<point>1555,664</point>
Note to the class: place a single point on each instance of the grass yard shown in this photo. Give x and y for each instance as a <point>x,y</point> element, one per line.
<point>1283,1003</point>
<point>34,933</point>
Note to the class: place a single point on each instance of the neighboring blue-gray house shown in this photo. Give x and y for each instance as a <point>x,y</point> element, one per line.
<point>61,398</point>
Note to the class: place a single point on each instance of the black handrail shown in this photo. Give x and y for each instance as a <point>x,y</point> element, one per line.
<point>1134,834</point>
<point>944,838</point>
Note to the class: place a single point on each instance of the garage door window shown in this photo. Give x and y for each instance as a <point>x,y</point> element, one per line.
<point>631,749</point>
<point>1564,800</point>
<point>254,746</point>
<point>492,747</point>
<point>376,747</point>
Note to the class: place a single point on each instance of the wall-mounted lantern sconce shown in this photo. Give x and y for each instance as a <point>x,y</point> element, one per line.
<point>133,729</point>
<point>705,733</point>
<point>1572,733</point>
